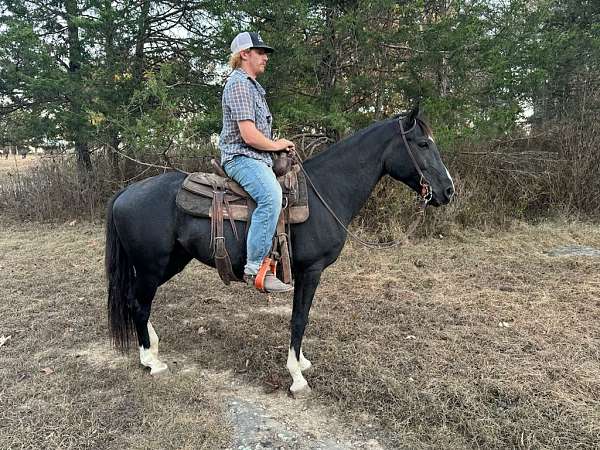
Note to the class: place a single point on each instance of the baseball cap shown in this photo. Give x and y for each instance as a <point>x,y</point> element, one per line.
<point>248,39</point>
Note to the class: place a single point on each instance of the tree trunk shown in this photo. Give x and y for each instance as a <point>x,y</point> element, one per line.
<point>329,67</point>
<point>138,62</point>
<point>84,163</point>
<point>78,121</point>
<point>112,135</point>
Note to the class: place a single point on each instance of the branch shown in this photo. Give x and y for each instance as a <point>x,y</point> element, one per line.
<point>524,138</point>
<point>403,47</point>
<point>144,163</point>
<point>308,135</point>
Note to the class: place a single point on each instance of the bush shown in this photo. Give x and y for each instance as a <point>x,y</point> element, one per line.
<point>554,170</point>
<point>54,189</point>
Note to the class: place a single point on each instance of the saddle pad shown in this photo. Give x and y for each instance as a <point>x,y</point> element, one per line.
<point>205,183</point>
<point>196,195</point>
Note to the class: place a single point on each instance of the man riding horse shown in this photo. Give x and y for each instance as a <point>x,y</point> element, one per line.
<point>246,148</point>
<point>149,239</point>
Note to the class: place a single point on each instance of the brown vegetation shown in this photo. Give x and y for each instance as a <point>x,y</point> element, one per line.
<point>474,340</point>
<point>465,339</point>
<point>552,172</point>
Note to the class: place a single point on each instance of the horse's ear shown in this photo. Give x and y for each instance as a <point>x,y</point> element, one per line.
<point>415,113</point>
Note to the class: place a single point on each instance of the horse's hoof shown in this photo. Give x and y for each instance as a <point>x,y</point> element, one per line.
<point>302,391</point>
<point>159,369</point>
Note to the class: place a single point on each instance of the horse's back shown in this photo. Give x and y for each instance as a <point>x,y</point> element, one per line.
<point>149,194</point>
<point>145,216</point>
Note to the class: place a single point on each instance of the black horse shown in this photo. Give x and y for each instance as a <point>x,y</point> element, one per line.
<point>148,240</point>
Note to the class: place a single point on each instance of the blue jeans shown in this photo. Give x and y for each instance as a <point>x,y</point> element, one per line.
<point>260,182</point>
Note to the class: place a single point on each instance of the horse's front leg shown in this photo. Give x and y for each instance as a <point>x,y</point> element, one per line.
<point>304,291</point>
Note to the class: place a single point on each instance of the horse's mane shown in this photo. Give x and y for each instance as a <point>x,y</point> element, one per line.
<point>353,138</point>
<point>349,141</point>
<point>426,127</point>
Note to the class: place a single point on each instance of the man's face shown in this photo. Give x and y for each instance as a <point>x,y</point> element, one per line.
<point>256,60</point>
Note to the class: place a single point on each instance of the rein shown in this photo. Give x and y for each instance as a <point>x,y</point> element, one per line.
<point>422,199</point>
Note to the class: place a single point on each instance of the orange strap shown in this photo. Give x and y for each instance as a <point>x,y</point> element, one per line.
<point>259,281</point>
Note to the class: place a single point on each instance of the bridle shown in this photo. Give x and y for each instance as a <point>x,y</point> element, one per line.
<point>426,193</point>
<point>423,198</point>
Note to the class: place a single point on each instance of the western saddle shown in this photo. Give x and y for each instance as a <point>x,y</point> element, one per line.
<point>218,197</point>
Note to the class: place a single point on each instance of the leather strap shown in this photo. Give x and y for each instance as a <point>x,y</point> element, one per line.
<point>283,249</point>
<point>259,281</point>
<point>222,261</point>
<point>231,221</point>
<point>425,186</point>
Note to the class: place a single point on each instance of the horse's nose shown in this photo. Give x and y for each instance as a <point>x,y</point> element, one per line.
<point>449,192</point>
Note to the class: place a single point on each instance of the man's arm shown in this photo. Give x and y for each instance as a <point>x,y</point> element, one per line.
<point>259,141</point>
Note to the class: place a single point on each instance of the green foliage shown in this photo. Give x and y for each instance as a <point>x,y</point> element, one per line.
<point>147,76</point>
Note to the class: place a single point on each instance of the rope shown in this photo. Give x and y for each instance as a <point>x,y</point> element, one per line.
<point>420,214</point>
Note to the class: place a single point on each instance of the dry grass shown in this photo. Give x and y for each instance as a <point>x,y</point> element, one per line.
<point>53,308</point>
<point>15,164</point>
<point>407,340</point>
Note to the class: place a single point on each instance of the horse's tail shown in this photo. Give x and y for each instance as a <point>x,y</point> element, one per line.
<point>120,276</point>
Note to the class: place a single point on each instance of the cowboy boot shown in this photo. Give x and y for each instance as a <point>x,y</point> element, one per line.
<point>266,281</point>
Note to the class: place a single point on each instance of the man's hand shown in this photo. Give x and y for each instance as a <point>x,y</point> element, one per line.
<point>259,141</point>
<point>285,145</point>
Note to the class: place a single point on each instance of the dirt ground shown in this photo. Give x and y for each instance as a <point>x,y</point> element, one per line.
<point>472,340</point>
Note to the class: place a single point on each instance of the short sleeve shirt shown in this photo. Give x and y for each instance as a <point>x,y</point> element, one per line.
<point>243,99</point>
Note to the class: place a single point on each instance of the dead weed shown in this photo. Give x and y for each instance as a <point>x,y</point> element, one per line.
<point>473,340</point>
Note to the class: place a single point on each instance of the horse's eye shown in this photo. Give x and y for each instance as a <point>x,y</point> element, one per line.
<point>423,144</point>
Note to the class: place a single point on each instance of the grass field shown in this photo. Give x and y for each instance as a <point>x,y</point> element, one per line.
<point>15,163</point>
<point>474,340</point>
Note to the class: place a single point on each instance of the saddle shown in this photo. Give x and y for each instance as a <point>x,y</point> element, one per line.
<point>218,197</point>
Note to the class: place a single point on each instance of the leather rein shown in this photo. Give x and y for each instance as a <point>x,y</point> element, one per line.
<point>423,198</point>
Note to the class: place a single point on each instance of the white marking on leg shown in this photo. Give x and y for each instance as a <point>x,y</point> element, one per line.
<point>299,383</point>
<point>305,364</point>
<point>149,359</point>
<point>451,180</point>
<point>153,339</point>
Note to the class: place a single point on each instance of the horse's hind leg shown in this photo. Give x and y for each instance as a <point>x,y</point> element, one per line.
<point>147,337</point>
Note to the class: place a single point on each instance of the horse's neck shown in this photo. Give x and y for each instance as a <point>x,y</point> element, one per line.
<point>346,176</point>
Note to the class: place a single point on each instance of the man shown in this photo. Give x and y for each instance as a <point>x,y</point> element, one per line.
<point>246,145</point>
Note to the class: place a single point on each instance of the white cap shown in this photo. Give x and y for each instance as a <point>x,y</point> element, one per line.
<point>246,40</point>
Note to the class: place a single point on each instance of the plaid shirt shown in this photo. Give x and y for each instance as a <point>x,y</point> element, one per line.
<point>243,99</point>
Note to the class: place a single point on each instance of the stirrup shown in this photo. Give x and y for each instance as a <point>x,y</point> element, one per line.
<point>265,267</point>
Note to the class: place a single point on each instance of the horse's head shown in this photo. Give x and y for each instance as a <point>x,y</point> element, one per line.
<point>415,160</point>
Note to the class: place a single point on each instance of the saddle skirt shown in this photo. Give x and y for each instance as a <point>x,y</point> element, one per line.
<point>219,198</point>
<point>197,192</point>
